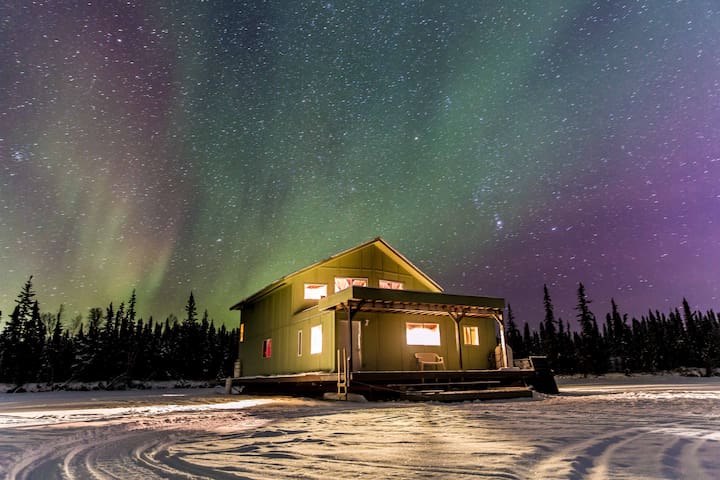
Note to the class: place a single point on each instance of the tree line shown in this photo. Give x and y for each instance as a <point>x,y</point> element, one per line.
<point>655,342</point>
<point>112,345</point>
<point>115,347</point>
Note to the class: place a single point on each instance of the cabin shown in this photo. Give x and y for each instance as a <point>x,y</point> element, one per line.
<point>366,315</point>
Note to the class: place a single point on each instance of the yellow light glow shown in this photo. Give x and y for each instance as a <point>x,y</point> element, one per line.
<point>316,339</point>
<point>422,333</point>
<point>471,335</point>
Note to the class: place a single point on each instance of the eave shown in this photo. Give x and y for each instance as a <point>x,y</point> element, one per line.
<point>366,299</point>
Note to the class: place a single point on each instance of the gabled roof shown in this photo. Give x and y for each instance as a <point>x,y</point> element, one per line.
<point>378,242</point>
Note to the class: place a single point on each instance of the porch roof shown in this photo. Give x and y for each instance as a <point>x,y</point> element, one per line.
<point>366,299</point>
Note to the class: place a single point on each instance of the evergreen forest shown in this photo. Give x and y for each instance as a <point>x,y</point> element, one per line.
<point>114,347</point>
<point>111,346</point>
<point>656,342</point>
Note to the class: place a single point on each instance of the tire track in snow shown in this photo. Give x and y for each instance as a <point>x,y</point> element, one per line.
<point>684,458</point>
<point>579,459</point>
<point>119,450</point>
<point>672,452</point>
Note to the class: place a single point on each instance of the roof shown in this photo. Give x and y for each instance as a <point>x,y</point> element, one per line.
<point>408,301</point>
<point>378,242</point>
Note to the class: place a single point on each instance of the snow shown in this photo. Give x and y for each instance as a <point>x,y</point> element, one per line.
<point>610,427</point>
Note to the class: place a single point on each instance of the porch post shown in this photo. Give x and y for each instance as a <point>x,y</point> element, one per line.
<point>498,318</point>
<point>458,337</point>
<point>349,312</point>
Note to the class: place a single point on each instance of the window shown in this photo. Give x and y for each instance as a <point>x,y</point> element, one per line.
<point>341,283</point>
<point>299,343</point>
<point>392,285</point>
<point>315,291</point>
<point>471,336</point>
<point>242,332</point>
<point>267,348</point>
<point>316,339</point>
<point>422,333</point>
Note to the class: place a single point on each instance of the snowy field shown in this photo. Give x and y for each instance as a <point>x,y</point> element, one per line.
<point>636,427</point>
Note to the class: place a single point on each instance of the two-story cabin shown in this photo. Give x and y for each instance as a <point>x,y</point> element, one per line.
<point>378,309</point>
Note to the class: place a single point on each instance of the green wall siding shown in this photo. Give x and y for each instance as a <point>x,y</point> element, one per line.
<point>285,358</point>
<point>476,357</point>
<point>384,342</point>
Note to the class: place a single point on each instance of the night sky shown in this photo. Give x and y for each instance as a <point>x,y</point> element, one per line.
<point>217,146</point>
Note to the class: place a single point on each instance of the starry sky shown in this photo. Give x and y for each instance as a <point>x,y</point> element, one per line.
<point>216,146</point>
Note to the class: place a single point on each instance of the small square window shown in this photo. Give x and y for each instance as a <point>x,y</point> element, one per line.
<point>471,336</point>
<point>341,283</point>
<point>392,285</point>
<point>315,291</point>
<point>267,348</point>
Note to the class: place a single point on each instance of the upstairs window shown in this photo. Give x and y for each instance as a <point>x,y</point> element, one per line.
<point>341,283</point>
<point>392,285</point>
<point>315,291</point>
<point>422,334</point>
<point>471,336</point>
<point>267,348</point>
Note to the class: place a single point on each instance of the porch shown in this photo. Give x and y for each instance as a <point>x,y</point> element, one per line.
<point>433,385</point>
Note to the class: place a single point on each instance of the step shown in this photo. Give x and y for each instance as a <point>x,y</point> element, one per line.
<point>468,395</point>
<point>432,385</point>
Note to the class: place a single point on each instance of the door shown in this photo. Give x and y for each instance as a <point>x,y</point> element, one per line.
<point>354,351</point>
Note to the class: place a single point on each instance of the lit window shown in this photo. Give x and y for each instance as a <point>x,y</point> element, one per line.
<point>299,343</point>
<point>267,348</point>
<point>471,335</point>
<point>315,291</point>
<point>392,285</point>
<point>316,339</point>
<point>242,332</point>
<point>341,283</point>
<point>422,333</point>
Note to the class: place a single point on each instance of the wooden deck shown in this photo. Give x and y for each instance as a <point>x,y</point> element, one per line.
<point>435,385</point>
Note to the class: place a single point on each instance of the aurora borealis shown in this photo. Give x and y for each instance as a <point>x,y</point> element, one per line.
<point>217,146</point>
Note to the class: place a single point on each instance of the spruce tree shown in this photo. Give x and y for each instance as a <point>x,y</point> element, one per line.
<point>565,358</point>
<point>513,337</point>
<point>693,334</point>
<point>12,348</point>
<point>589,334</point>
<point>55,370</point>
<point>21,337</point>
<point>25,301</point>
<point>713,355</point>
<point>132,303</point>
<point>709,344</point>
<point>171,365</point>
<point>549,336</point>
<point>88,353</point>
<point>616,334</point>
<point>190,342</point>
<point>35,334</point>
<point>81,358</point>
<point>528,346</point>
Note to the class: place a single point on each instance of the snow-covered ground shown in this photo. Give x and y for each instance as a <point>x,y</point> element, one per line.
<point>612,427</point>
